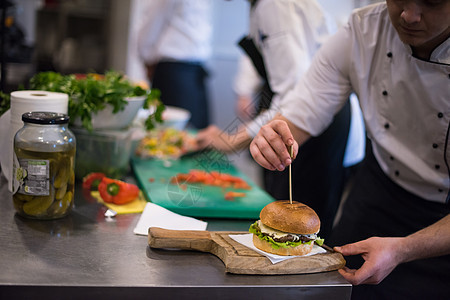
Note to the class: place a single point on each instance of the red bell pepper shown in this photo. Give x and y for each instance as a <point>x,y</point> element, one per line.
<point>92,180</point>
<point>116,191</point>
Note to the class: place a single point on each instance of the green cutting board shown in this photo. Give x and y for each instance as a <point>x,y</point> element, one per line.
<point>197,200</point>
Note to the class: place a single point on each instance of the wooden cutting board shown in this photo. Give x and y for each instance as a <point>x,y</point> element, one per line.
<point>238,258</point>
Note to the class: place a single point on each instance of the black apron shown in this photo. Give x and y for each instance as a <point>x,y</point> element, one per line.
<point>183,84</point>
<point>317,172</point>
<point>377,206</point>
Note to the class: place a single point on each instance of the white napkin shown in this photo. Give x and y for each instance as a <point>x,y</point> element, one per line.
<point>157,216</point>
<point>247,240</point>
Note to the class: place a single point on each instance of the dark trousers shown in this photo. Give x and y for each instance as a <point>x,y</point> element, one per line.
<point>183,85</point>
<point>318,176</point>
<point>377,206</point>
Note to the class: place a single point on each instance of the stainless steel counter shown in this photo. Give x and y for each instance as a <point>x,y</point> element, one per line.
<point>84,256</point>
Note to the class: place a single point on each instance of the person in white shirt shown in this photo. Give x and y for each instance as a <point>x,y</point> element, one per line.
<point>174,42</point>
<point>395,224</point>
<point>283,37</point>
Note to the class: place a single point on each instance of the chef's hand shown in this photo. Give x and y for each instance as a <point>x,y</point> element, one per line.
<point>270,147</point>
<point>213,137</point>
<point>381,256</point>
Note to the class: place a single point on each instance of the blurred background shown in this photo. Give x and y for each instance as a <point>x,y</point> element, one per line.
<point>70,36</point>
<point>79,36</point>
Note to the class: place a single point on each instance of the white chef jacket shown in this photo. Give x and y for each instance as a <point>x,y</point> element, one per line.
<point>405,100</point>
<point>175,30</point>
<point>287,33</point>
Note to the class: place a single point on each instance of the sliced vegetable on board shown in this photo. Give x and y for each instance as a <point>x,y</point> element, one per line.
<point>213,178</point>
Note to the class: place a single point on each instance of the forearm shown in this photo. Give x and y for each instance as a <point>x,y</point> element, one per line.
<point>239,140</point>
<point>213,137</point>
<point>382,255</point>
<point>431,241</point>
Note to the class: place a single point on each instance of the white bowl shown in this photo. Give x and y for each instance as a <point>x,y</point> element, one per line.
<point>105,119</point>
<point>173,117</point>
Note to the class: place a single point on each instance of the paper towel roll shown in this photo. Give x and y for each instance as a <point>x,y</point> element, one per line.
<point>22,102</point>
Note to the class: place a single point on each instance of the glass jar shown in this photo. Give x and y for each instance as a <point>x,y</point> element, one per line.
<point>43,166</point>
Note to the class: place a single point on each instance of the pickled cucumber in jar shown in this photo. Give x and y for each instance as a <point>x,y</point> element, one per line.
<point>47,185</point>
<point>43,166</point>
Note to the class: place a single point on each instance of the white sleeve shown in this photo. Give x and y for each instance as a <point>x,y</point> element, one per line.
<point>152,20</point>
<point>283,50</point>
<point>325,88</point>
<point>288,40</point>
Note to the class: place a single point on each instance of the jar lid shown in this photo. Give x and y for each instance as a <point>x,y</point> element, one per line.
<point>44,117</point>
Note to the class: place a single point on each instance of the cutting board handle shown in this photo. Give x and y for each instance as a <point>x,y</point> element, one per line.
<point>180,239</point>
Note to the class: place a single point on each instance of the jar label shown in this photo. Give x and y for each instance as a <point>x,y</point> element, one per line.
<point>31,176</point>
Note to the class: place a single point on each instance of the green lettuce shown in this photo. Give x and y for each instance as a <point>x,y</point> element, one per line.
<point>254,228</point>
<point>91,93</point>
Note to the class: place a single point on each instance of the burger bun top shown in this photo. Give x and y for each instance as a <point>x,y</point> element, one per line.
<point>295,218</point>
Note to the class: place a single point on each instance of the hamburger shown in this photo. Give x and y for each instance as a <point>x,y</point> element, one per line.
<point>286,229</point>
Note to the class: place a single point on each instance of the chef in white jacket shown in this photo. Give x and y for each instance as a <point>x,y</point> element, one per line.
<point>395,225</point>
<point>174,43</point>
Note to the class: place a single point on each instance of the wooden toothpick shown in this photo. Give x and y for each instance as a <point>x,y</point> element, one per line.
<point>290,174</point>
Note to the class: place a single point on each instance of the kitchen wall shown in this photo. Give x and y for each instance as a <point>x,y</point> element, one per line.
<point>72,36</point>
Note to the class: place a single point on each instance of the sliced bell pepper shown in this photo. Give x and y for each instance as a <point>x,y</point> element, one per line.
<point>213,178</point>
<point>92,180</point>
<point>117,191</point>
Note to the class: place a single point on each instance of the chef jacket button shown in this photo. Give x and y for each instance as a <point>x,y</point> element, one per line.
<point>389,54</point>
<point>385,93</point>
<point>437,167</point>
<point>386,125</point>
<point>435,145</point>
<point>440,115</point>
<point>397,173</point>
